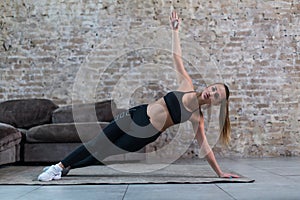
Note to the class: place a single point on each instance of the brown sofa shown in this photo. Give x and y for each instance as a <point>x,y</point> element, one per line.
<point>10,139</point>
<point>50,132</point>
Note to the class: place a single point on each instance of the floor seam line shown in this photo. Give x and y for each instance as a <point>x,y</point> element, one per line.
<point>226,192</point>
<point>125,192</point>
<point>28,192</point>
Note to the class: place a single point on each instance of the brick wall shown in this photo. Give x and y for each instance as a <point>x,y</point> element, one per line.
<point>84,51</point>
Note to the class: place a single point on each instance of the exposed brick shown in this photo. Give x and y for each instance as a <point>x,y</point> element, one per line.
<point>49,48</point>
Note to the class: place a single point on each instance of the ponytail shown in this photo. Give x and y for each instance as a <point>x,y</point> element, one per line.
<point>224,121</point>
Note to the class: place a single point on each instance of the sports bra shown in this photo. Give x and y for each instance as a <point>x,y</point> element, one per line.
<point>177,110</point>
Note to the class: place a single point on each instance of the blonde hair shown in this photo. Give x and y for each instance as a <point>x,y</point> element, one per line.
<point>224,121</point>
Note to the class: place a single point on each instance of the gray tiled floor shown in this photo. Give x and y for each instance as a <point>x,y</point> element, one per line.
<point>275,178</point>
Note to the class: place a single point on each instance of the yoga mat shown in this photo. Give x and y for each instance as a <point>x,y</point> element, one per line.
<point>119,174</point>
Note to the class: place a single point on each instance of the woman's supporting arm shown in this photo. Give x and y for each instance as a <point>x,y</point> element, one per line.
<point>204,146</point>
<point>207,151</point>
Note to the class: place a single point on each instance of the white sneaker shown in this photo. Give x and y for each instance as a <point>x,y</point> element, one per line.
<point>64,172</point>
<point>52,173</point>
<point>46,168</point>
<point>57,177</point>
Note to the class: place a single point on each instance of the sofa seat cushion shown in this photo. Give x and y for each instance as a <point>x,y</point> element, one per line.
<point>92,112</point>
<point>64,132</point>
<point>9,136</point>
<point>26,113</point>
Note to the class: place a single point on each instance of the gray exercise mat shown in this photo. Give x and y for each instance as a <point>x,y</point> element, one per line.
<point>128,173</point>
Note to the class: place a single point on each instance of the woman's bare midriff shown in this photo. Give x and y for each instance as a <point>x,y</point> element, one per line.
<point>159,115</point>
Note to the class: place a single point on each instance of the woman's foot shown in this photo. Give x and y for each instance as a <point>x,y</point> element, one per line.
<point>64,172</point>
<point>52,173</point>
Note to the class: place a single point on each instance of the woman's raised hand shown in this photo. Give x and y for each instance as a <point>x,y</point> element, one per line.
<point>174,21</point>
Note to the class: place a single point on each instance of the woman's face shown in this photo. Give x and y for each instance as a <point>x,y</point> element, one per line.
<point>214,94</point>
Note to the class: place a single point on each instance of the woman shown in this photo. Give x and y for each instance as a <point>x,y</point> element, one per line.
<point>141,125</point>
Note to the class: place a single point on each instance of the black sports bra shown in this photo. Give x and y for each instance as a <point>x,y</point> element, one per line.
<point>177,110</point>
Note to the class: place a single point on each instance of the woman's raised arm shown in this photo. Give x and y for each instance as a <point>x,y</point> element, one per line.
<point>185,81</point>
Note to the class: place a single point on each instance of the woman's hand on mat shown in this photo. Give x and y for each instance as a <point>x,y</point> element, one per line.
<point>174,21</point>
<point>228,175</point>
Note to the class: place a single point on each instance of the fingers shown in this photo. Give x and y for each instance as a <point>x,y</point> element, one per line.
<point>227,175</point>
<point>234,176</point>
<point>174,20</point>
<point>174,15</point>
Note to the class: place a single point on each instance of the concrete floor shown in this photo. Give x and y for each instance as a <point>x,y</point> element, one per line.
<point>275,178</point>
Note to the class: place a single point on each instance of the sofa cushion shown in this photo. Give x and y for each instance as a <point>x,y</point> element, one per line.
<point>26,113</point>
<point>64,132</point>
<point>9,136</point>
<point>93,112</point>
<point>10,155</point>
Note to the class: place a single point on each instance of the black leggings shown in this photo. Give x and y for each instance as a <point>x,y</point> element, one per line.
<point>130,131</point>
